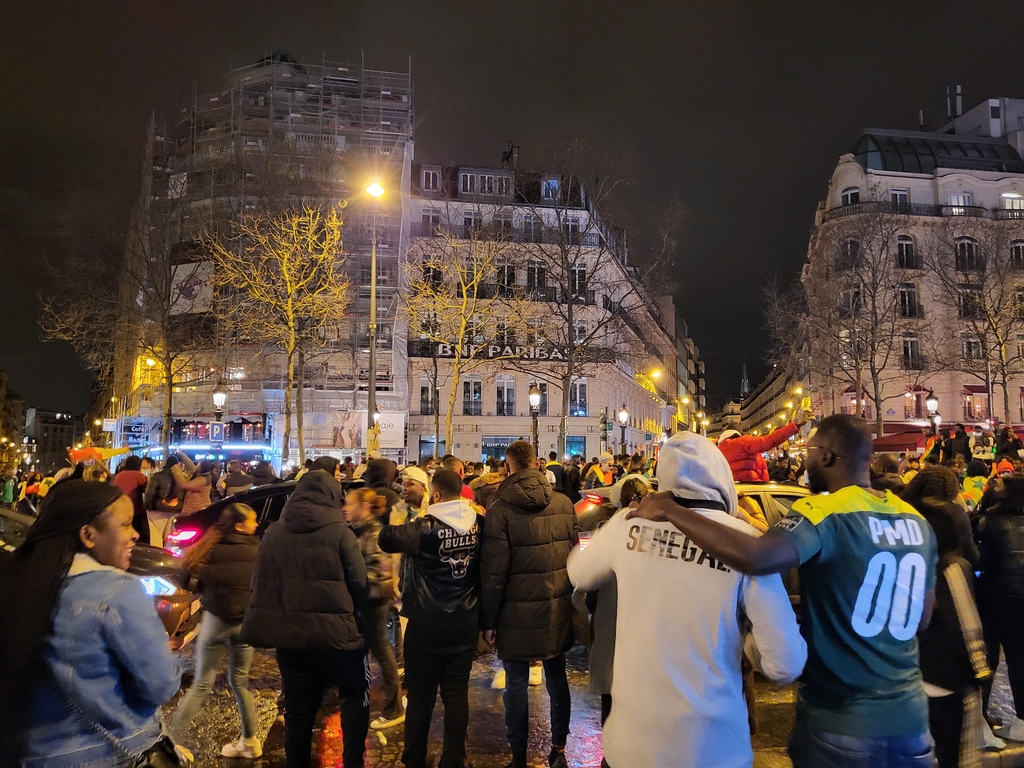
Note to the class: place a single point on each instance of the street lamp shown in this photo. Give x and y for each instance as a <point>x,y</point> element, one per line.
<point>375,190</point>
<point>931,402</point>
<point>535,412</point>
<point>219,398</point>
<point>623,419</point>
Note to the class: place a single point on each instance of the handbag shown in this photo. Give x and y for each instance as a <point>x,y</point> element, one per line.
<point>164,753</point>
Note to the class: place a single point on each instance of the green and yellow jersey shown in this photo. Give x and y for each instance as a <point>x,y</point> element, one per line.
<point>866,564</point>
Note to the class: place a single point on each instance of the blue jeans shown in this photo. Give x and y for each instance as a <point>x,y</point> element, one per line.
<point>517,704</point>
<point>216,639</point>
<point>811,748</point>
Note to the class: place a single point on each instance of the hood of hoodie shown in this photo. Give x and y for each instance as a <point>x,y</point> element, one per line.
<point>315,502</point>
<point>527,490</point>
<point>458,513</point>
<point>491,478</point>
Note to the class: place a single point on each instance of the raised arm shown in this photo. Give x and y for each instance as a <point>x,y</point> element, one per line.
<point>771,553</point>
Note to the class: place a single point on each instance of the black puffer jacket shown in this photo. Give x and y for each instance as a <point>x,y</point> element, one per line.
<point>310,579</point>
<point>442,564</point>
<point>224,580</point>
<point>1001,535</point>
<point>525,591</point>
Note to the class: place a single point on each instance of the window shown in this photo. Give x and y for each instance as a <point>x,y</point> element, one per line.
<point>1019,299</point>
<point>503,226</point>
<point>428,397</point>
<point>958,202</point>
<point>579,331</point>
<point>1017,254</point>
<point>534,332</point>
<point>578,397</point>
<point>533,229</point>
<point>504,335</point>
<point>572,231</point>
<point>536,276</point>
<point>849,196</point>
<point>848,255</point>
<point>967,257</point>
<point>576,446</point>
<point>431,222</point>
<point>430,181</point>
<point>900,199</point>
<point>549,189</point>
<point>850,306</point>
<point>543,387</point>
<point>472,395</point>
<point>975,406</point>
<point>468,183</point>
<point>475,330</point>
<point>578,283</point>
<point>432,275</point>
<point>486,185</point>
<point>906,257</point>
<point>505,186</point>
<point>912,353</point>
<point>505,405</point>
<point>908,300</point>
<point>1012,201</point>
<point>969,300</point>
<point>506,280</point>
<point>472,223</point>
<point>971,348</point>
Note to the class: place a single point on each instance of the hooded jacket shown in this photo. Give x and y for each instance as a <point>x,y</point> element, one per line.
<point>380,572</point>
<point>1001,539</point>
<point>485,488</point>
<point>743,453</point>
<point>310,578</point>
<point>224,580</point>
<point>442,560</point>
<point>525,591</point>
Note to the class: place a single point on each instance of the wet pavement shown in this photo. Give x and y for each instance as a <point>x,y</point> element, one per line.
<point>217,723</point>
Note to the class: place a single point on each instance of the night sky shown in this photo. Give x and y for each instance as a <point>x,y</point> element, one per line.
<point>738,111</point>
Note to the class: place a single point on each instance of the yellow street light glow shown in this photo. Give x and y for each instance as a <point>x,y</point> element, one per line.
<point>375,189</point>
<point>789,404</point>
<point>113,399</point>
<point>97,422</point>
<point>150,362</point>
<point>798,391</point>
<point>686,400</point>
<point>655,373</point>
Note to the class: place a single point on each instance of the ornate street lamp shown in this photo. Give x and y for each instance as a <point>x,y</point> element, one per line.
<point>623,420</point>
<point>931,402</point>
<point>375,190</point>
<point>219,398</point>
<point>535,412</point>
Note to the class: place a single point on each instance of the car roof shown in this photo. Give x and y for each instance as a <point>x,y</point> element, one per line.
<point>780,488</point>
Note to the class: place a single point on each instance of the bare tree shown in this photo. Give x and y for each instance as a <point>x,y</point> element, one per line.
<point>280,282</point>
<point>978,269</point>
<point>462,297</point>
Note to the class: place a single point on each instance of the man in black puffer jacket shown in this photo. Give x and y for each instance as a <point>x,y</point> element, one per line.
<point>526,594</point>
<point>309,583</point>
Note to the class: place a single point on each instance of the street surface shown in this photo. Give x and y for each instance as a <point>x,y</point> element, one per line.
<point>217,723</point>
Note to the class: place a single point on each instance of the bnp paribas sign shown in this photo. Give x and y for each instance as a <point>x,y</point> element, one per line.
<point>496,352</point>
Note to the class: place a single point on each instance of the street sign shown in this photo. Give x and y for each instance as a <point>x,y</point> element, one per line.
<point>648,437</point>
<point>110,425</point>
<point>216,431</point>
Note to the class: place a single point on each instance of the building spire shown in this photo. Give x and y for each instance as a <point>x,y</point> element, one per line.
<point>744,381</point>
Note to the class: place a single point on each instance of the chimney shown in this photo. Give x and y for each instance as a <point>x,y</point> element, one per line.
<point>920,120</point>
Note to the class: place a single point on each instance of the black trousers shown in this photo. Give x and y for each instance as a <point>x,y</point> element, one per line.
<point>305,676</point>
<point>438,656</point>
<point>946,722</point>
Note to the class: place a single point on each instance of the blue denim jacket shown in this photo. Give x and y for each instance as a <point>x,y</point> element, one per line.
<point>109,655</point>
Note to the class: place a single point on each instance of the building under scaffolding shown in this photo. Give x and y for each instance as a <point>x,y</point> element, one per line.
<point>322,129</point>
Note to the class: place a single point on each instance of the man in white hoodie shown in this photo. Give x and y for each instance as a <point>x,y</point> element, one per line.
<point>684,620</point>
<point>441,599</point>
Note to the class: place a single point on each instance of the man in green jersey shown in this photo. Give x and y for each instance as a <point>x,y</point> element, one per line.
<point>867,577</point>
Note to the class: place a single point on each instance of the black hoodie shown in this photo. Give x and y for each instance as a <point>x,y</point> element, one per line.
<point>310,578</point>
<point>526,595</point>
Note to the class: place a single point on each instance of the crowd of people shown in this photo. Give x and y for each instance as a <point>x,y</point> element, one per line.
<point>892,636</point>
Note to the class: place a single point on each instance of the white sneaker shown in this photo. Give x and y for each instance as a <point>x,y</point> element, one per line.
<point>992,743</point>
<point>380,723</point>
<point>498,683</point>
<point>249,749</point>
<point>536,674</point>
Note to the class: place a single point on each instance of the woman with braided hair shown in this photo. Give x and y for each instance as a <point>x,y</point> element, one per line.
<point>88,660</point>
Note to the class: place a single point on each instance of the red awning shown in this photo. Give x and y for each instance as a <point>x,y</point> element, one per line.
<point>901,441</point>
<point>976,389</point>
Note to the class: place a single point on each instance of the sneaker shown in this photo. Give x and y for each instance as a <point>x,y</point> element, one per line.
<point>557,758</point>
<point>498,683</point>
<point>992,743</point>
<point>536,674</point>
<point>249,749</point>
<point>382,722</point>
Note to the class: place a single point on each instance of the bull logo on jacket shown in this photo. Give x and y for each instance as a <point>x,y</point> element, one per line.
<point>457,549</point>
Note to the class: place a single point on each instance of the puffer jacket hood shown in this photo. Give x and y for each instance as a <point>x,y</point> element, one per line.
<point>491,478</point>
<point>458,513</point>
<point>527,490</point>
<point>316,502</point>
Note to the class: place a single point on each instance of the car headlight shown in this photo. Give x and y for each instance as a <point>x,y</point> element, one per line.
<point>157,585</point>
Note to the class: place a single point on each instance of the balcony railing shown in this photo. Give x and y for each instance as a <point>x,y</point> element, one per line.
<point>976,413</point>
<point>510,234</point>
<point>507,408</point>
<point>912,363</point>
<point>973,211</point>
<point>852,410</point>
<point>910,412</point>
<point>577,407</point>
<point>472,408</point>
<point>920,209</point>
<point>1008,214</point>
<point>426,408</point>
<point>912,310</point>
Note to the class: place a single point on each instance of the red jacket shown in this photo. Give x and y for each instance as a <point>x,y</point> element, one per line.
<point>744,453</point>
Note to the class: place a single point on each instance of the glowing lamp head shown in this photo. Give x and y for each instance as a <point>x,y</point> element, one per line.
<point>375,189</point>
<point>534,396</point>
<point>219,396</point>
<point>931,402</point>
<point>623,415</point>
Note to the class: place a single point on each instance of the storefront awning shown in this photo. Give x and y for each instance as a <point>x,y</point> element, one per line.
<point>901,441</point>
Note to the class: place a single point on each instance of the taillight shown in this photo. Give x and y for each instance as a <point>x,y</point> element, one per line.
<point>593,498</point>
<point>181,537</point>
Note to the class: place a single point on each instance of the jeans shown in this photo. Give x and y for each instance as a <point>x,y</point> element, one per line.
<point>811,748</point>
<point>305,674</point>
<point>517,705</point>
<point>438,657</point>
<point>217,639</point>
<point>376,618</point>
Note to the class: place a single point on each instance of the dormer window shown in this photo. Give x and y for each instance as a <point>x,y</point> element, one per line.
<point>549,189</point>
<point>468,183</point>
<point>504,186</point>
<point>849,196</point>
<point>430,181</point>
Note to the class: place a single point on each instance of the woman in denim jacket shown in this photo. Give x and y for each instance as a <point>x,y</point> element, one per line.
<point>90,661</point>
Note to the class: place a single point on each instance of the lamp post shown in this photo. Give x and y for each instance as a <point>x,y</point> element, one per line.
<point>623,420</point>
<point>375,190</point>
<point>535,412</point>
<point>219,398</point>
<point>931,402</point>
